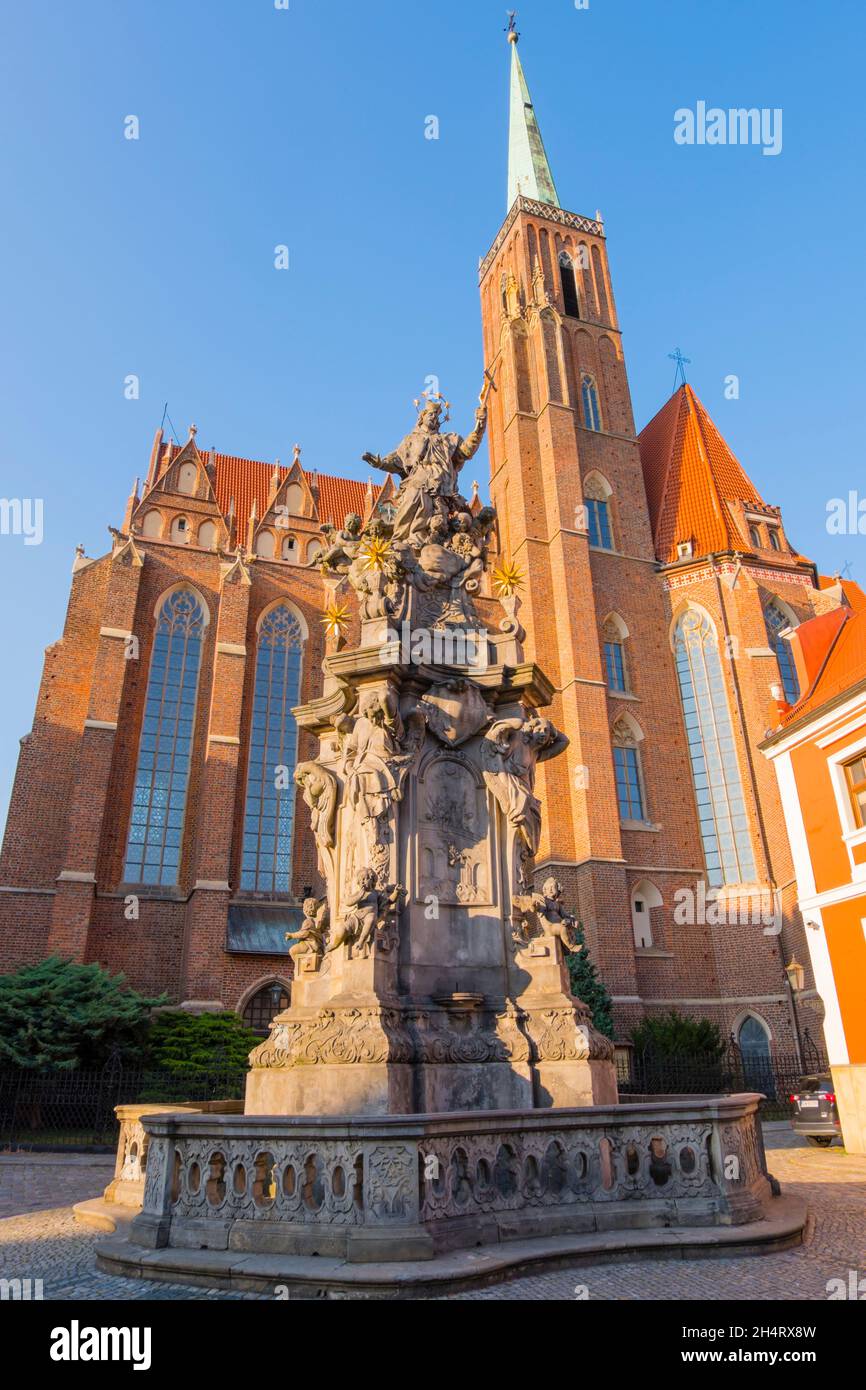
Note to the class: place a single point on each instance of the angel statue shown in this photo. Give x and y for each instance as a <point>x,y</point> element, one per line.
<point>371,915</point>
<point>341,547</point>
<point>510,751</point>
<point>428,462</point>
<point>310,940</point>
<point>544,913</point>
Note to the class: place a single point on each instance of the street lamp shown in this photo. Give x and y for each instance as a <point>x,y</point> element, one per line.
<point>796,976</point>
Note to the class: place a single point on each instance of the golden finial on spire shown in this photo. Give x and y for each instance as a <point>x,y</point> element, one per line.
<point>511,31</point>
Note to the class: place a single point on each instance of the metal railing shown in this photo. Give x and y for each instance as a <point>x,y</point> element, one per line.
<point>650,1073</point>
<point>75,1109</point>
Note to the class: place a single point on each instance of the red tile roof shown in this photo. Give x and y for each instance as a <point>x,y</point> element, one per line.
<point>690,474</point>
<point>852,591</point>
<point>834,648</point>
<point>248,479</point>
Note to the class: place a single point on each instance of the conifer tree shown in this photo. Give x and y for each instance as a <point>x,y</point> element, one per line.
<point>587,986</point>
<point>59,1015</point>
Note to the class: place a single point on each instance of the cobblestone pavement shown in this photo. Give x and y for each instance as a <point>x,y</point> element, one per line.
<point>32,1182</point>
<point>45,1242</point>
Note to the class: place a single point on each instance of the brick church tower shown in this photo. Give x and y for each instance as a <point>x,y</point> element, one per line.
<point>145,829</point>
<point>641,555</point>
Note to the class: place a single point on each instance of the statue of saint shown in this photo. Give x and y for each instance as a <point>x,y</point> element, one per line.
<point>428,463</point>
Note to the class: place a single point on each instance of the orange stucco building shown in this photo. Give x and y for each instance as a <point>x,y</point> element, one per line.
<point>819,755</point>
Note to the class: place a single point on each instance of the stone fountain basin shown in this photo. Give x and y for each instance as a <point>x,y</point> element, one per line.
<point>419,1189</point>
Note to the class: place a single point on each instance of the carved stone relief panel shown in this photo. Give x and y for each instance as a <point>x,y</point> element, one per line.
<point>453,835</point>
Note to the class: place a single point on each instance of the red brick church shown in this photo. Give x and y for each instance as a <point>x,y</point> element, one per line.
<point>146,829</point>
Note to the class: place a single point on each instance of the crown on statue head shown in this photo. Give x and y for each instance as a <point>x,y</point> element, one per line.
<point>433,398</point>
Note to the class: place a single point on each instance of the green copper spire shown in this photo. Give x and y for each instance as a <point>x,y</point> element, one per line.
<point>528,168</point>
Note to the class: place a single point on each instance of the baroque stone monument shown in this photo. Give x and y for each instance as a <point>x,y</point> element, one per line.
<point>431,978</point>
<point>434,1087</point>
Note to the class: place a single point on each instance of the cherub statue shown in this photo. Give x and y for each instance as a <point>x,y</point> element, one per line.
<point>544,912</point>
<point>310,940</point>
<point>371,911</point>
<point>341,546</point>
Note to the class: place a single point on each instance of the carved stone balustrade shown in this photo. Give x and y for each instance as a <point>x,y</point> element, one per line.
<point>410,1187</point>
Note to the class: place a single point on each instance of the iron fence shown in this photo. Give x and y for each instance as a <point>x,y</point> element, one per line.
<point>649,1073</point>
<point>75,1109</point>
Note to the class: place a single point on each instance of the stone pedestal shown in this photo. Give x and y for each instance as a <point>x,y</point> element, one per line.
<point>433,978</point>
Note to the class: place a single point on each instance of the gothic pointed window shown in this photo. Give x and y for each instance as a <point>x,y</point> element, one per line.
<point>567,277</point>
<point>597,501</point>
<point>722,816</point>
<point>162,774</point>
<point>627,771</point>
<point>266,864</point>
<point>589,394</point>
<point>778,622</point>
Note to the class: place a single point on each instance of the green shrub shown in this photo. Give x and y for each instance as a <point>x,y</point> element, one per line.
<point>189,1044</point>
<point>58,1015</point>
<point>673,1034</point>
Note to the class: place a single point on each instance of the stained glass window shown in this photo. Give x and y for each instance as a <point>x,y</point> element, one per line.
<point>722,813</point>
<point>777,622</point>
<point>266,864</point>
<point>162,774</point>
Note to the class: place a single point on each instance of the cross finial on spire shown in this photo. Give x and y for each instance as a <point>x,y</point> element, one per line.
<point>682,363</point>
<point>511,31</point>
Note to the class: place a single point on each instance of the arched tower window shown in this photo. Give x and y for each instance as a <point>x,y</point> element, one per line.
<point>721,807</point>
<point>778,623</point>
<point>596,495</point>
<point>162,774</point>
<point>266,865</point>
<point>568,280</point>
<point>614,634</point>
<point>589,395</point>
<point>627,770</point>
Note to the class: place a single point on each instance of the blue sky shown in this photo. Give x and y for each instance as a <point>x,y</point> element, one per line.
<point>305,127</point>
